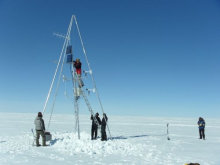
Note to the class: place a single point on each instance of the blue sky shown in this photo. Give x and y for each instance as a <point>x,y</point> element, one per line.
<point>149,58</point>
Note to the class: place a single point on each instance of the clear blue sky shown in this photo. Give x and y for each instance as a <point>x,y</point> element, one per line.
<point>149,57</point>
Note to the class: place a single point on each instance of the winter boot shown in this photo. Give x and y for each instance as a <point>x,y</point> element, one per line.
<point>37,143</point>
<point>44,141</point>
<point>44,144</point>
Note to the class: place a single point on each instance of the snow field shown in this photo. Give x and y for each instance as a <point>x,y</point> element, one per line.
<point>135,140</point>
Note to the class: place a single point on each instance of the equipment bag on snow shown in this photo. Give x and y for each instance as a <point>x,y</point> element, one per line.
<point>48,136</point>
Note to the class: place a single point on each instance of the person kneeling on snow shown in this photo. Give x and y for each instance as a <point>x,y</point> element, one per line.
<point>201,124</point>
<point>40,128</point>
<point>103,126</point>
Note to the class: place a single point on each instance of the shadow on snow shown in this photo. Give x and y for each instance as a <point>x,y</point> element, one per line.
<point>136,136</point>
<point>52,142</point>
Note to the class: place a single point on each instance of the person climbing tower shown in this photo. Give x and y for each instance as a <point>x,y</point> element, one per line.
<point>77,64</point>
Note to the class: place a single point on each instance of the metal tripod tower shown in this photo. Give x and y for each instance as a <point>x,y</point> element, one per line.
<point>75,78</point>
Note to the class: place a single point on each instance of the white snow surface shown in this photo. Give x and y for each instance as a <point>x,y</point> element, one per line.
<point>135,140</point>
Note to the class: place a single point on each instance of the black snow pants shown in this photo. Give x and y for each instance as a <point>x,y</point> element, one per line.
<point>104,137</point>
<point>202,133</point>
<point>94,130</point>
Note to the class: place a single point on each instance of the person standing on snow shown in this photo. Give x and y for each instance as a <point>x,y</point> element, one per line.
<point>94,129</point>
<point>77,64</point>
<point>201,124</point>
<point>103,127</point>
<point>40,129</point>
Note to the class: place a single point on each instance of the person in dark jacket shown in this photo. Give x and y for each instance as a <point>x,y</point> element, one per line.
<point>40,129</point>
<point>103,127</point>
<point>94,129</point>
<point>201,124</point>
<point>77,64</point>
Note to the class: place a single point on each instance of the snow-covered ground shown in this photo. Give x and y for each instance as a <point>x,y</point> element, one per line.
<point>135,140</point>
